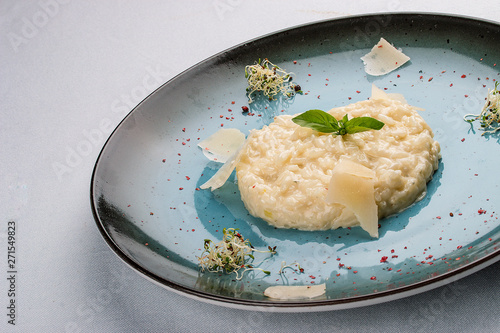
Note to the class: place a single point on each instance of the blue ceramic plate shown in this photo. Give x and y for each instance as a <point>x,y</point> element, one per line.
<point>144,187</point>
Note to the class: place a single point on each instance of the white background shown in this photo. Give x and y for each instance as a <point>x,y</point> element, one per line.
<point>67,68</point>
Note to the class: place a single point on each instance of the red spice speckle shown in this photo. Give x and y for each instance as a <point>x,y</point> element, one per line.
<point>181,188</point>
<point>463,139</point>
<point>373,278</point>
<point>481,211</point>
<point>164,160</point>
<point>384,259</point>
<point>463,76</point>
<point>188,178</point>
<point>430,79</point>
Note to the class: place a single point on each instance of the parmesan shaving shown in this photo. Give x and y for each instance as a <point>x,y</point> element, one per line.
<point>352,185</point>
<point>378,93</point>
<point>221,145</point>
<point>223,174</point>
<point>295,292</point>
<point>383,59</point>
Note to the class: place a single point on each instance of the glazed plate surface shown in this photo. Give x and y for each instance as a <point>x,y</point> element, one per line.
<point>145,186</point>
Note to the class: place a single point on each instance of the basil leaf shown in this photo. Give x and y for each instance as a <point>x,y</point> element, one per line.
<point>318,120</point>
<point>324,122</point>
<point>361,124</point>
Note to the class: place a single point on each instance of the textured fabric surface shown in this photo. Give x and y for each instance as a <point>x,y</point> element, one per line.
<point>70,71</point>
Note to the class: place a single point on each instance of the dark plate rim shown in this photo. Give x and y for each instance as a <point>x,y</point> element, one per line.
<point>333,304</point>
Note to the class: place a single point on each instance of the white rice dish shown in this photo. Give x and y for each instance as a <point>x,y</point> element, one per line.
<point>284,170</point>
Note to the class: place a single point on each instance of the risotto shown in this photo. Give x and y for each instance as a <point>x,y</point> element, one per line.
<point>284,171</point>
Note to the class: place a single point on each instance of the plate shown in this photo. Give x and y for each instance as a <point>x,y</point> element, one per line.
<point>145,186</point>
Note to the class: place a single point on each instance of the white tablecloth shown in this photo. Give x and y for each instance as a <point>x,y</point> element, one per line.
<point>64,67</point>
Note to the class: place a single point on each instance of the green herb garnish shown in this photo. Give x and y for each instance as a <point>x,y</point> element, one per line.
<point>270,79</point>
<point>324,122</point>
<point>489,118</point>
<point>229,255</point>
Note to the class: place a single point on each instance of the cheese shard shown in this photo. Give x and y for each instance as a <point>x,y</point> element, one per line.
<point>295,292</point>
<point>378,93</point>
<point>222,175</point>
<point>221,145</point>
<point>352,185</point>
<point>383,59</point>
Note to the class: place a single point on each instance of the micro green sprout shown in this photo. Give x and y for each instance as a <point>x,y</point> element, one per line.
<point>489,117</point>
<point>229,255</point>
<point>270,79</point>
<point>284,265</point>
